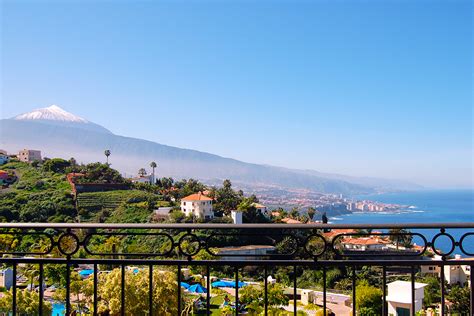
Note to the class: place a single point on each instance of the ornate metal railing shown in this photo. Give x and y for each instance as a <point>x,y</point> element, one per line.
<point>404,247</point>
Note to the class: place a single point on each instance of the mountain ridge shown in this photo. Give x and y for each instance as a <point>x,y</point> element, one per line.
<point>87,142</point>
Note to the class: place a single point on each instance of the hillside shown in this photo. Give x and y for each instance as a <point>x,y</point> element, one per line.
<point>37,196</point>
<point>40,195</point>
<point>129,206</point>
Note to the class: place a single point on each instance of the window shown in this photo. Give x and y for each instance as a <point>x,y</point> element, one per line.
<point>403,311</point>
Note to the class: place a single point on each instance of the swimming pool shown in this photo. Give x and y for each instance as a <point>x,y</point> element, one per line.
<point>58,309</point>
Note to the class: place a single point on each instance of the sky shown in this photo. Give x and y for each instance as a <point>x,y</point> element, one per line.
<point>365,88</point>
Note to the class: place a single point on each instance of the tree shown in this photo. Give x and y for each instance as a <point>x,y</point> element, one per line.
<point>27,303</point>
<point>250,212</point>
<point>368,299</point>
<point>294,213</point>
<point>153,165</point>
<point>136,289</point>
<point>253,297</point>
<point>107,154</point>
<point>142,172</point>
<point>56,165</point>
<point>459,297</point>
<point>432,291</point>
<point>400,236</point>
<point>311,212</point>
<point>226,198</point>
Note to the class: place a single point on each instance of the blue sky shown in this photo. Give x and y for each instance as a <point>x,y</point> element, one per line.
<point>366,88</point>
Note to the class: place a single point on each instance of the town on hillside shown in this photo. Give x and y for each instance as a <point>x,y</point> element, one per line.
<point>56,190</point>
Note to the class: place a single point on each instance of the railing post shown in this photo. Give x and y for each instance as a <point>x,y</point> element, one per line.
<point>295,292</point>
<point>208,290</point>
<point>471,267</point>
<point>150,289</point>
<point>384,291</point>
<point>265,299</point>
<point>14,290</point>
<point>179,289</point>
<point>324,290</point>
<point>237,291</point>
<point>442,289</point>
<point>412,274</point>
<point>41,293</point>
<point>122,292</point>
<point>68,288</point>
<point>95,289</point>
<point>353,290</point>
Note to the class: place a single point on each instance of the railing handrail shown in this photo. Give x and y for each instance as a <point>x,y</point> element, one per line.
<point>237,226</point>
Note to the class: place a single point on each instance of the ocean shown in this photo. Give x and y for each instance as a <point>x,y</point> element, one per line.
<point>447,206</point>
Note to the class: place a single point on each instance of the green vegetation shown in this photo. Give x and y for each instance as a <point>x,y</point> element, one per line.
<point>39,195</point>
<point>118,206</point>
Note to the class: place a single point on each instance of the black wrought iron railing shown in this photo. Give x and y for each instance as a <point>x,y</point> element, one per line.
<point>47,257</point>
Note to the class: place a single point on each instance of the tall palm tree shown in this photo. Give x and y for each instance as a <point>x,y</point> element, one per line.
<point>153,165</point>
<point>107,154</point>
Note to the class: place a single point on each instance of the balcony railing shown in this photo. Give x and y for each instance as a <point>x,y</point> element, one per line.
<point>403,248</point>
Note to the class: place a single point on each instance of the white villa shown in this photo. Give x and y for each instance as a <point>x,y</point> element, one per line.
<point>399,298</point>
<point>453,274</point>
<point>198,205</point>
<point>262,209</point>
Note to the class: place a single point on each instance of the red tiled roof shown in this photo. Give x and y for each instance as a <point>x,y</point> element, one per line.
<point>290,221</point>
<point>196,197</point>
<point>365,241</point>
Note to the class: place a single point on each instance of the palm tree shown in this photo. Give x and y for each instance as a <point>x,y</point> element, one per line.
<point>153,165</point>
<point>107,154</point>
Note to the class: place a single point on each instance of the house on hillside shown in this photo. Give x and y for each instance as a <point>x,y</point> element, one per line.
<point>142,179</point>
<point>458,274</point>
<point>399,299</point>
<point>289,220</point>
<point>262,209</point>
<point>197,205</point>
<point>28,155</point>
<point>365,243</point>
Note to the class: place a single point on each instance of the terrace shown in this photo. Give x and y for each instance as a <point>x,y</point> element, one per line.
<point>156,250</point>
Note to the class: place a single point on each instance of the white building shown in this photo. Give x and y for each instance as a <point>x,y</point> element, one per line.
<point>262,209</point>
<point>28,155</point>
<point>142,179</point>
<point>6,278</point>
<point>198,205</point>
<point>453,274</point>
<point>458,273</point>
<point>236,217</point>
<point>399,299</point>
<point>249,252</point>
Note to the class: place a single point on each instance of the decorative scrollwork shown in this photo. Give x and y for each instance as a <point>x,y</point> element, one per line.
<point>461,244</point>
<point>68,244</point>
<point>439,235</point>
<point>189,245</point>
<point>311,244</point>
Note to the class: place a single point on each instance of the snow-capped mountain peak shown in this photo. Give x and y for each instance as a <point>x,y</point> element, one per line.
<point>51,113</point>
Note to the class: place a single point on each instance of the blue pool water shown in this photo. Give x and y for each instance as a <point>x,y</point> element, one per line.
<point>58,309</point>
